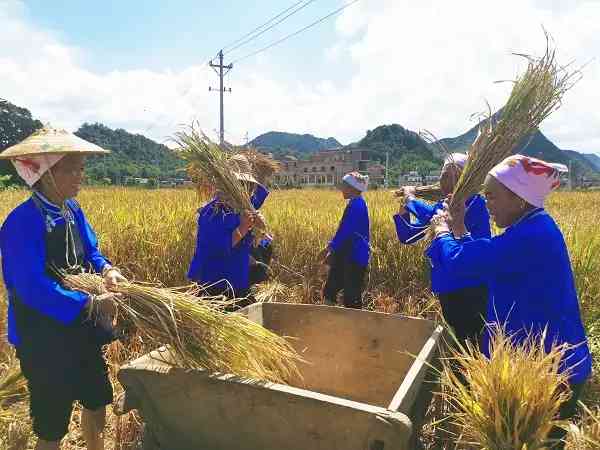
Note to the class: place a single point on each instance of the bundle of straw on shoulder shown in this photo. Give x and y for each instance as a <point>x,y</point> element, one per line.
<point>209,163</point>
<point>535,95</point>
<point>198,334</point>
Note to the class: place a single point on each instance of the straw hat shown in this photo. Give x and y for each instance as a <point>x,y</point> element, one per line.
<point>241,168</point>
<point>51,141</point>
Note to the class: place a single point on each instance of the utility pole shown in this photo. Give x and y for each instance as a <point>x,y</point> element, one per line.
<point>570,175</point>
<point>221,71</point>
<point>247,139</point>
<point>387,167</point>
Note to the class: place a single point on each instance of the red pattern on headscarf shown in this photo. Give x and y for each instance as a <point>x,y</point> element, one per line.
<point>31,164</point>
<point>538,168</point>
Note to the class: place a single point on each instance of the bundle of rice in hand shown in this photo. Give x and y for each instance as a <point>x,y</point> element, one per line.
<point>263,166</point>
<point>430,193</point>
<point>535,95</point>
<point>224,172</point>
<point>199,335</point>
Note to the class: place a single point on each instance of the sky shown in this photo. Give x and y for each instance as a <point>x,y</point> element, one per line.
<point>432,64</point>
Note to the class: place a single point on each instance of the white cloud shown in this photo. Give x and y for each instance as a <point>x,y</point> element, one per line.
<point>427,64</point>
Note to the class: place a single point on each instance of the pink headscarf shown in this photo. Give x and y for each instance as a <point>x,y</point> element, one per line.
<point>530,178</point>
<point>31,168</point>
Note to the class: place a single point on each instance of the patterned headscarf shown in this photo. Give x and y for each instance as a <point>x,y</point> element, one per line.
<point>530,178</point>
<point>32,167</point>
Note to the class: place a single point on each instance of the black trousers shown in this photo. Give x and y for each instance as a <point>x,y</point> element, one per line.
<point>345,276</point>
<point>465,310</point>
<point>243,298</point>
<point>259,264</point>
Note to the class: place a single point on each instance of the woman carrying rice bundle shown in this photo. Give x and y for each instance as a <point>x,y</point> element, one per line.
<point>463,299</point>
<point>221,261</point>
<point>348,252</point>
<point>58,333</point>
<point>531,285</point>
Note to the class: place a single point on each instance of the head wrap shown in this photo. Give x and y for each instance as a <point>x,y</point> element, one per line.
<point>459,159</point>
<point>530,178</point>
<point>32,168</point>
<point>357,181</point>
<point>241,168</point>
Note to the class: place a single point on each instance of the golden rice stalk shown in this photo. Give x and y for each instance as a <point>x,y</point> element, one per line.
<point>263,166</point>
<point>13,390</point>
<point>17,436</point>
<point>535,95</point>
<point>210,164</point>
<point>587,435</point>
<point>272,291</point>
<point>509,400</point>
<point>199,335</point>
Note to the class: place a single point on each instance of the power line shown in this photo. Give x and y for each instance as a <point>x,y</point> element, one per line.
<point>263,25</point>
<point>296,33</point>
<point>251,38</point>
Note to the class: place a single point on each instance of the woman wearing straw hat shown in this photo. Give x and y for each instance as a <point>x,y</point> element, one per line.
<point>531,284</point>
<point>58,333</point>
<point>348,252</point>
<point>221,261</point>
<point>463,299</point>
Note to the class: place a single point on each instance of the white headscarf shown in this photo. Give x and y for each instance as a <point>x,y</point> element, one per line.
<point>460,159</point>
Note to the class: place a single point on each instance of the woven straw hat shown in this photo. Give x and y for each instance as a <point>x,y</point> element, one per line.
<point>51,141</point>
<point>241,168</point>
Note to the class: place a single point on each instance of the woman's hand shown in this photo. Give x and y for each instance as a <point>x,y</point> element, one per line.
<point>104,307</point>
<point>112,277</point>
<point>456,219</point>
<point>247,221</point>
<point>439,223</point>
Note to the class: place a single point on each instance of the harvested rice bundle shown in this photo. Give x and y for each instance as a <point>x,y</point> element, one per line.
<point>199,336</point>
<point>271,292</point>
<point>431,193</point>
<point>219,170</point>
<point>535,95</point>
<point>263,166</point>
<point>509,400</point>
<point>587,435</point>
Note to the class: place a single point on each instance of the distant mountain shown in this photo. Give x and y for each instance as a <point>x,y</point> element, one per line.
<point>131,155</point>
<point>280,142</point>
<point>593,158</point>
<point>538,146</point>
<point>406,149</point>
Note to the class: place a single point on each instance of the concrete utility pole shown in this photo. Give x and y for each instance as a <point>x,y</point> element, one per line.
<point>221,71</point>
<point>387,166</point>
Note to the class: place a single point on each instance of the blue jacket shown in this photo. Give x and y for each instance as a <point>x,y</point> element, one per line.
<point>352,236</point>
<point>477,221</point>
<point>531,284</point>
<point>22,246</point>
<point>215,261</point>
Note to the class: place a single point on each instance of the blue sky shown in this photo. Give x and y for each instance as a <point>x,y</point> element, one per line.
<point>159,34</point>
<point>430,64</point>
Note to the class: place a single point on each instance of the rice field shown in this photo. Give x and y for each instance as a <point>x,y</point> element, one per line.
<point>150,235</point>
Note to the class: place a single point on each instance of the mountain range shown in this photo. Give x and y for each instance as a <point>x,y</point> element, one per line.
<point>136,155</point>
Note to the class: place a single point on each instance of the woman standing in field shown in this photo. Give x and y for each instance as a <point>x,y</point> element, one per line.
<point>348,252</point>
<point>221,261</point>
<point>58,333</point>
<point>463,299</point>
<point>532,289</point>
